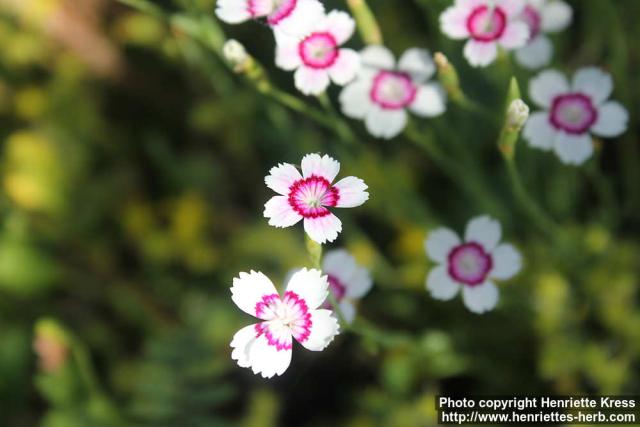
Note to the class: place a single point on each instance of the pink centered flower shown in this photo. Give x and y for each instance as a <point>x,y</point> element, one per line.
<point>471,265</point>
<point>487,24</point>
<point>265,347</point>
<point>316,55</point>
<point>382,93</point>
<point>572,113</point>
<point>542,17</point>
<point>309,196</point>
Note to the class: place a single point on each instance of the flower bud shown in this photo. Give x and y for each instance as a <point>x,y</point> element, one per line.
<point>517,115</point>
<point>237,56</point>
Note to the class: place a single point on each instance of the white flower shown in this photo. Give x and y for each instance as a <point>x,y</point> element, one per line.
<point>573,112</point>
<point>308,196</point>
<point>287,16</point>
<point>265,347</point>
<point>316,55</point>
<point>472,265</point>
<point>348,281</point>
<point>382,93</point>
<point>487,24</point>
<point>542,17</point>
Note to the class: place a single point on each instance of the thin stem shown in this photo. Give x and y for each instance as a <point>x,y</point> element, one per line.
<point>368,26</point>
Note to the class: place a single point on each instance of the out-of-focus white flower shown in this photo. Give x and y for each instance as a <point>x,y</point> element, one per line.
<point>265,347</point>
<point>471,265</point>
<point>382,92</point>
<point>517,114</point>
<point>317,56</point>
<point>487,24</point>
<point>573,112</point>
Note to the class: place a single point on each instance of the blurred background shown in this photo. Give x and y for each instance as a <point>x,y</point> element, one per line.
<point>132,161</point>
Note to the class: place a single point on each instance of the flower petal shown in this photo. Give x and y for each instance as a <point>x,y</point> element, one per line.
<point>233,11</point>
<point>282,177</point>
<point>311,81</point>
<point>555,16</point>
<point>305,15</point>
<point>430,101</point>
<point>546,86</point>
<point>310,285</point>
<point>268,359</point>
<point>593,82</point>
<point>241,344</point>
<point>515,35</point>
<point>340,264</point>
<point>439,244</point>
<point>440,284</point>
<point>485,231</point>
<point>482,298</point>
<point>507,262</point>
<point>325,166</point>
<point>346,67</point>
<point>418,63</point>
<point>348,310</point>
<point>287,53</point>
<point>480,54</point>
<point>536,54</point>
<point>280,213</point>
<point>359,284</point>
<point>355,99</point>
<point>453,22</point>
<point>324,328</point>
<point>249,289</point>
<point>351,191</point>
<point>573,149</point>
<point>612,120</point>
<point>378,57</point>
<point>385,124</point>
<point>539,131</point>
<point>323,229</point>
<point>340,25</point>
<point>511,7</point>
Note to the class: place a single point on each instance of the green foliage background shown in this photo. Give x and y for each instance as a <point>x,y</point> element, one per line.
<point>132,166</point>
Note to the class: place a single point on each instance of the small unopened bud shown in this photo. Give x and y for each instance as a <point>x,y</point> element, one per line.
<point>51,344</point>
<point>448,77</point>
<point>517,115</point>
<point>237,56</point>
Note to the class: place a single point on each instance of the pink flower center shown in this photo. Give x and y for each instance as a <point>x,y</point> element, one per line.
<point>282,9</point>
<point>337,289</point>
<point>319,50</point>
<point>393,90</point>
<point>469,264</point>
<point>573,113</point>
<point>309,196</point>
<point>485,25</point>
<point>284,318</point>
<point>532,18</point>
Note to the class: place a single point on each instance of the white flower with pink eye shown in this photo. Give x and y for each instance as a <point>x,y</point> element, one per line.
<point>265,347</point>
<point>573,112</point>
<point>542,17</point>
<point>317,56</point>
<point>471,265</point>
<point>382,92</point>
<point>487,24</point>
<point>348,281</point>
<point>309,196</point>
<point>286,16</point>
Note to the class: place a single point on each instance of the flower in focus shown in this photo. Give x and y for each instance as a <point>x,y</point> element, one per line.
<point>542,16</point>
<point>472,265</point>
<point>316,55</point>
<point>348,281</point>
<point>308,196</point>
<point>487,24</point>
<point>265,347</point>
<point>382,93</point>
<point>291,17</point>
<point>573,112</point>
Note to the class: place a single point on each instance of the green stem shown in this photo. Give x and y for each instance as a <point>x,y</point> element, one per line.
<point>367,24</point>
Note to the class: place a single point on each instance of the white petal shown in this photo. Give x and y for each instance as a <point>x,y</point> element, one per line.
<point>480,54</point>
<point>282,177</point>
<point>546,86</point>
<point>266,359</point>
<point>593,82</point>
<point>307,14</point>
<point>539,131</point>
<point>309,285</point>
<point>430,101</point>
<point>241,344</point>
<point>556,16</point>
<point>355,99</point>
<point>323,229</point>
<point>612,120</point>
<point>340,25</point>
<point>324,328</point>
<point>249,289</point>
<point>378,57</point>
<point>511,7</point>
<point>359,284</point>
<point>340,264</point>
<point>325,166</point>
<point>536,54</point>
<point>440,242</point>
<point>346,67</point>
<point>507,262</point>
<point>311,81</point>
<point>348,310</point>
<point>515,35</point>
<point>418,63</point>
<point>440,284</point>
<point>481,298</point>
<point>233,11</point>
<point>288,53</point>
<point>352,192</point>
<point>280,213</point>
<point>453,22</point>
<point>385,123</point>
<point>573,149</point>
<point>484,230</point>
